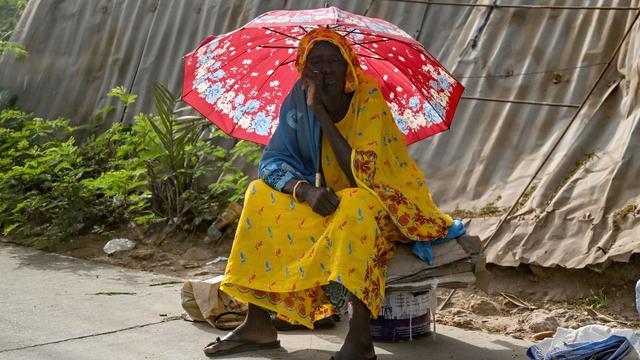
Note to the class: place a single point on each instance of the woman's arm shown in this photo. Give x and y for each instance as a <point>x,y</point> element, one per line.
<point>340,146</point>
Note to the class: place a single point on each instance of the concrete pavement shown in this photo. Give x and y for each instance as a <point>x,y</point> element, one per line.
<point>57,307</point>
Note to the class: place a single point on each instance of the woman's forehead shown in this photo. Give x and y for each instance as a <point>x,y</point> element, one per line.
<point>324,48</point>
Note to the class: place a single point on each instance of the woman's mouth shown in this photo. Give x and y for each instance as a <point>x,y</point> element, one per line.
<point>330,82</point>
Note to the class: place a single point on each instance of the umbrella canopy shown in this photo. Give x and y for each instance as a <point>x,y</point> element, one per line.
<point>238,80</point>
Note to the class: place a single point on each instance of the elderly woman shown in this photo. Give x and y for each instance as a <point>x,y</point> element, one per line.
<point>303,251</point>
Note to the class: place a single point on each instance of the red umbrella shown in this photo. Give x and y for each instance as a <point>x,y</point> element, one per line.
<point>238,80</point>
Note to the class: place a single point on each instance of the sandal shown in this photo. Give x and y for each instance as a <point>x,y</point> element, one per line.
<point>243,346</point>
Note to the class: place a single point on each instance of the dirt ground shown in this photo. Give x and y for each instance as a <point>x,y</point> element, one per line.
<point>527,302</point>
<point>535,319</point>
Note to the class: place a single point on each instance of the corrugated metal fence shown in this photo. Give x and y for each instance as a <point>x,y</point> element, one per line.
<point>550,115</point>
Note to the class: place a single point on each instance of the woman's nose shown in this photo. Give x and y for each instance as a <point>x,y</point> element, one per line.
<point>325,67</point>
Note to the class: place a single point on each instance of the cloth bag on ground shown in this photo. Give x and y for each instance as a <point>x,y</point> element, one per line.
<point>588,342</point>
<point>203,301</point>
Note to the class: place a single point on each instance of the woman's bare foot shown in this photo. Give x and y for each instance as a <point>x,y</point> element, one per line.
<point>256,329</point>
<point>357,344</point>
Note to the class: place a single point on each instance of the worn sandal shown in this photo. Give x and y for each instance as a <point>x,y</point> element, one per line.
<point>243,346</point>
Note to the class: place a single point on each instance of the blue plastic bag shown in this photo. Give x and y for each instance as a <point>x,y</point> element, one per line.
<point>423,250</point>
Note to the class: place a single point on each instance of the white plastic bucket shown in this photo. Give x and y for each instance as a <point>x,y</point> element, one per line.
<point>404,316</point>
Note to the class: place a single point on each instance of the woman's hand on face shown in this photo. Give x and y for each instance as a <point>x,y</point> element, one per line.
<point>312,83</point>
<point>321,200</point>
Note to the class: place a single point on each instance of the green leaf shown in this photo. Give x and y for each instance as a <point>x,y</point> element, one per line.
<point>121,94</point>
<point>9,228</point>
<point>13,49</point>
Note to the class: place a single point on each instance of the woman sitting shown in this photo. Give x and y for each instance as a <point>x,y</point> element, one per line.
<point>303,251</point>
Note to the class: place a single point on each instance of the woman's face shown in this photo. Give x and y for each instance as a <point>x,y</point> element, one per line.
<point>327,59</point>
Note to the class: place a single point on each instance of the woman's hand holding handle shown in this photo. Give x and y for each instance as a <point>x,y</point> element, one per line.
<point>322,201</point>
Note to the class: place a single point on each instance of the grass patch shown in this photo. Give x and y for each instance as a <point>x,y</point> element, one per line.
<point>579,165</point>
<point>597,301</point>
<point>619,214</point>
<point>490,210</point>
<point>525,197</point>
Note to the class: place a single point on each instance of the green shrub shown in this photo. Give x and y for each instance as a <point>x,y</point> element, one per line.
<point>51,188</point>
<point>158,170</point>
<point>10,11</point>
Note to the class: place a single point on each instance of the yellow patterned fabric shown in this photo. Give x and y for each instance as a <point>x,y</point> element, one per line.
<point>284,253</point>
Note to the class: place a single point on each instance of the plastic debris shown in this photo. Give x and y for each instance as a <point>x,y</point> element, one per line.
<point>115,245</point>
<point>213,233</point>
<point>217,260</point>
<point>586,217</point>
<point>638,297</point>
<point>230,214</point>
<point>423,249</point>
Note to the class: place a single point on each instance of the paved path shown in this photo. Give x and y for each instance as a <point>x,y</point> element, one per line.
<point>57,307</point>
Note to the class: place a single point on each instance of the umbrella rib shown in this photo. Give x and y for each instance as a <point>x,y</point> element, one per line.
<point>388,38</point>
<point>369,33</point>
<point>276,47</point>
<point>377,53</point>
<point>281,33</point>
<point>270,75</point>
<point>350,32</point>
<point>372,57</point>
<point>370,42</point>
<point>303,29</point>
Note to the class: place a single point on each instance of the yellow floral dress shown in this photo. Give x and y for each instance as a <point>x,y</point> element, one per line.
<point>284,253</point>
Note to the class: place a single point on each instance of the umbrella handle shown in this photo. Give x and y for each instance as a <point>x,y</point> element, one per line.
<point>319,163</point>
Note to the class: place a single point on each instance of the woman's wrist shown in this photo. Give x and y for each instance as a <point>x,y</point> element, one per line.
<point>302,191</point>
<point>298,190</point>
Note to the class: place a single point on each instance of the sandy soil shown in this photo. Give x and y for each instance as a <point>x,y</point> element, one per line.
<point>526,302</point>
